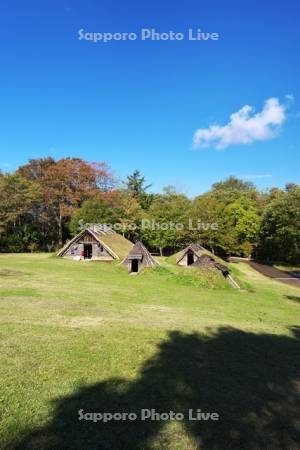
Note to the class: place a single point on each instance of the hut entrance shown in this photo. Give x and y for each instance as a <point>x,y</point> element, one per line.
<point>190,259</point>
<point>88,251</point>
<point>134,265</point>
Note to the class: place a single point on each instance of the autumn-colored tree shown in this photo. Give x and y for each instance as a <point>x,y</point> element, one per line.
<point>38,201</point>
<point>35,169</point>
<point>68,183</point>
<point>65,184</point>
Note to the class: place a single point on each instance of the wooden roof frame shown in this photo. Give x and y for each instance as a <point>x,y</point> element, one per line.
<point>94,235</point>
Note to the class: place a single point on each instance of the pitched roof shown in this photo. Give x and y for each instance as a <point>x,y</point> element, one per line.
<point>198,250</point>
<point>116,245</point>
<point>204,260</point>
<point>140,252</point>
<point>195,248</point>
<point>208,261</point>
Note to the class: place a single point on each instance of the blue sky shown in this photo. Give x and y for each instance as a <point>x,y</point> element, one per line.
<point>138,104</point>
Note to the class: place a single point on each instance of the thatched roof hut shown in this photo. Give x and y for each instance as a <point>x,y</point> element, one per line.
<point>96,242</point>
<point>208,261</point>
<point>195,255</point>
<point>191,254</point>
<point>138,258</point>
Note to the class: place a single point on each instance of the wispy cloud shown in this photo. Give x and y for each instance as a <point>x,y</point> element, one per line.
<point>245,127</point>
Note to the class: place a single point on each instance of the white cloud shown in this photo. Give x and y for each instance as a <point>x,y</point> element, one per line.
<point>244,126</point>
<point>290,97</point>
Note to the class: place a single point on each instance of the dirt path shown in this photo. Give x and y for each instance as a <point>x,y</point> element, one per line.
<point>276,274</point>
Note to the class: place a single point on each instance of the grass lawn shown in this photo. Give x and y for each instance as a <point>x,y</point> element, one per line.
<point>86,335</point>
<point>289,269</point>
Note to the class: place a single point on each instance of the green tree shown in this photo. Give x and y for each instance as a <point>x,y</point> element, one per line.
<point>230,214</point>
<point>115,207</point>
<point>280,228</point>
<point>167,220</point>
<point>243,222</point>
<point>136,185</point>
<point>18,205</point>
<point>233,185</point>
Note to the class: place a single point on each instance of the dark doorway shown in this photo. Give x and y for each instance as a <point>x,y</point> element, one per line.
<point>88,251</point>
<point>190,259</point>
<point>134,265</point>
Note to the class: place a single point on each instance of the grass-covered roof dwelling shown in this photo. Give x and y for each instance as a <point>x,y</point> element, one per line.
<point>138,258</point>
<point>97,242</point>
<point>196,256</point>
<point>192,253</point>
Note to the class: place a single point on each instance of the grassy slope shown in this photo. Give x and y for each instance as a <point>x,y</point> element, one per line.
<point>288,268</point>
<point>109,340</point>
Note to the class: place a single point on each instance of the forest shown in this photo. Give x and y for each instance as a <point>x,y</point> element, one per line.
<point>47,201</point>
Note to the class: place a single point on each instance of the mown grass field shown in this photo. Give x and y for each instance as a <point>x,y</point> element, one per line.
<point>86,335</point>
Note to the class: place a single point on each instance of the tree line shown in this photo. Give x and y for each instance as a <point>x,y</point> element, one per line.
<point>45,202</point>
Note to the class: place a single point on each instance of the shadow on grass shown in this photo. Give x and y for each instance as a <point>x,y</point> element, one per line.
<point>248,379</point>
<point>295,273</point>
<point>294,298</point>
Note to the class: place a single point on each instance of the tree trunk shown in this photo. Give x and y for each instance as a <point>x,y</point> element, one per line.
<point>161,251</point>
<point>60,234</point>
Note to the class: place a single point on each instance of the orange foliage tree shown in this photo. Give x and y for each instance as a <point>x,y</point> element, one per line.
<point>65,184</point>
